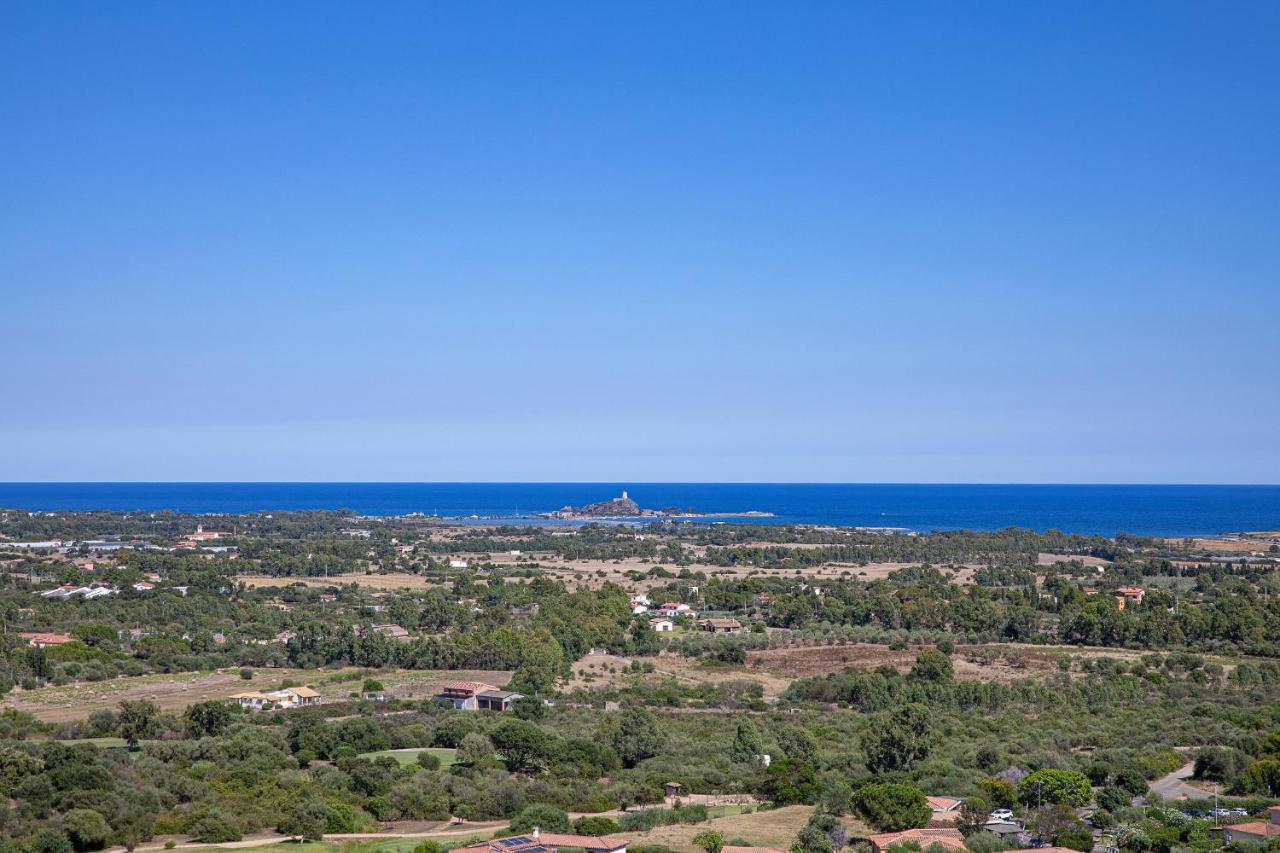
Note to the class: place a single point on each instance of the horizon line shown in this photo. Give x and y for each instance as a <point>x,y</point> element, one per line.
<point>623,483</point>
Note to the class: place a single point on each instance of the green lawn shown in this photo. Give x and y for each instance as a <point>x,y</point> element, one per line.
<point>101,742</point>
<point>410,756</point>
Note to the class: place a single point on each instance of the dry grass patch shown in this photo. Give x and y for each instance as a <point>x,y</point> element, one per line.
<point>772,828</point>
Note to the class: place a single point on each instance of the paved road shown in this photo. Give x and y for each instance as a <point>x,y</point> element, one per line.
<point>1173,786</point>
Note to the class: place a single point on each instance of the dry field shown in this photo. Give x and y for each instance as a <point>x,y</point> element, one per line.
<point>1049,559</point>
<point>775,828</point>
<point>593,574</point>
<point>174,692</point>
<point>394,580</point>
<point>1260,544</point>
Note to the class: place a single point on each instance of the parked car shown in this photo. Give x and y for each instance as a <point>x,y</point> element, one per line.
<point>1002,815</point>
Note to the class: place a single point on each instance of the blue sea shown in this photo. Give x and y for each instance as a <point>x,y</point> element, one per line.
<point>1140,509</point>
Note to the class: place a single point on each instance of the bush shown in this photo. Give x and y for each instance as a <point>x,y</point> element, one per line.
<point>87,829</point>
<point>246,673</point>
<point>891,806</point>
<point>215,828</point>
<point>543,815</point>
<point>594,825</point>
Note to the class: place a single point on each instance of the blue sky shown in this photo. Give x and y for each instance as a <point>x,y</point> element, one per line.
<point>998,242</point>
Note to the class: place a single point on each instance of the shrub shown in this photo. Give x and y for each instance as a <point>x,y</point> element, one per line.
<point>87,829</point>
<point>542,815</point>
<point>891,806</point>
<point>215,828</point>
<point>594,825</point>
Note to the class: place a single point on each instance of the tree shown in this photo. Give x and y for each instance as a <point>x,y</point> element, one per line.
<point>822,834</point>
<point>1000,792</point>
<point>901,741</point>
<point>371,685</point>
<point>596,825</point>
<point>1261,777</point>
<point>519,741</point>
<point>1047,785</point>
<point>476,750</point>
<point>709,840</point>
<point>215,828</point>
<point>637,736</point>
<point>49,840</point>
<point>139,719</point>
<point>973,815</point>
<point>1052,822</point>
<point>932,665</point>
<point>208,719</point>
<point>87,829</point>
<point>790,781</point>
<point>16,765</point>
<point>891,806</point>
<point>545,816</point>
<point>307,820</point>
<point>747,745</point>
<point>797,743</point>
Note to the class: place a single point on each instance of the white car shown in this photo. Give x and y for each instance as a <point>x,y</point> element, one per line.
<point>1002,815</point>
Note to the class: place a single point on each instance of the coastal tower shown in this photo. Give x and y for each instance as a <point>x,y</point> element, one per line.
<point>624,495</point>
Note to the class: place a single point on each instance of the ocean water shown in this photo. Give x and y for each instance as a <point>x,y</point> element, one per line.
<point>1104,509</point>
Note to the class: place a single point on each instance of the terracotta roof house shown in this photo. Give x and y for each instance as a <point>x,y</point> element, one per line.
<point>538,840</point>
<point>1255,830</point>
<point>44,641</point>
<point>1130,595</point>
<point>944,808</point>
<point>662,625</point>
<point>720,626</point>
<point>463,693</point>
<point>290,697</point>
<point>924,837</point>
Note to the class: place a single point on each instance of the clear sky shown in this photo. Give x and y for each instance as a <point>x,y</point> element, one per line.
<point>656,241</point>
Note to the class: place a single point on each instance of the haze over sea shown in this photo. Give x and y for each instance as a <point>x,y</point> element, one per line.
<point>1155,510</point>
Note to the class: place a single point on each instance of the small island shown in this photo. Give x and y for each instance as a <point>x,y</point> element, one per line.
<point>625,507</point>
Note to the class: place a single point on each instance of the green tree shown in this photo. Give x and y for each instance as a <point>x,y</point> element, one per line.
<point>1050,786</point>
<point>973,815</point>
<point>903,739</point>
<point>519,741</point>
<point>16,765</point>
<point>637,736</point>
<point>208,719</point>
<point>595,825</point>
<point>821,834</point>
<point>476,750</point>
<point>1053,822</point>
<point>709,840</point>
<point>790,781</point>
<point>139,719</point>
<point>215,828</point>
<point>545,816</point>
<point>932,665</point>
<point>307,820</point>
<point>49,840</point>
<point>891,806</point>
<point>747,745</point>
<point>87,829</point>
